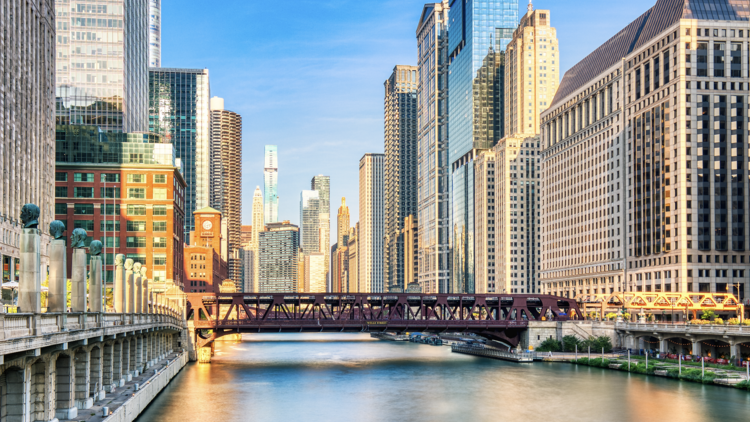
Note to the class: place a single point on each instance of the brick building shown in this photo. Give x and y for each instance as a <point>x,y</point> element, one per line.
<point>205,267</point>
<point>125,190</point>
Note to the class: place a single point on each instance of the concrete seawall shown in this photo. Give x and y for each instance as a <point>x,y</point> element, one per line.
<point>130,410</point>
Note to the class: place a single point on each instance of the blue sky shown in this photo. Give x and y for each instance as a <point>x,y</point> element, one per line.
<point>308,75</point>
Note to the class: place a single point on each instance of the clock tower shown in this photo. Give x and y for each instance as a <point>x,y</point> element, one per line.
<point>207,228</point>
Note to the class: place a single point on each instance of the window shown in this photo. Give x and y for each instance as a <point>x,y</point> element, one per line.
<point>81,192</point>
<point>110,178</point>
<point>109,226</point>
<point>136,242</point>
<point>160,193</point>
<point>87,225</point>
<point>111,209</point>
<point>61,177</point>
<point>83,177</point>
<point>160,178</point>
<point>83,209</point>
<point>136,226</point>
<point>61,208</point>
<point>111,193</point>
<point>136,178</point>
<point>160,210</point>
<point>137,193</point>
<point>136,210</point>
<point>160,226</point>
<point>159,276</point>
<point>160,242</point>
<point>112,242</point>
<point>136,257</point>
<point>61,192</point>
<point>160,259</point>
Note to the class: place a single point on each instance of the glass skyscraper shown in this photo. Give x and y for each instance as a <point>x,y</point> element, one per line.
<point>154,33</point>
<point>102,64</point>
<point>178,104</point>
<point>271,181</point>
<point>322,184</point>
<point>309,218</point>
<point>479,31</point>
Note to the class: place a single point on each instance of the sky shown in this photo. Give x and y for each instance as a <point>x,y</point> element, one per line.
<point>307,75</point>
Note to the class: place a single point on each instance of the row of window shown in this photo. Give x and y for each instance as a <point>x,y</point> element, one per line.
<point>140,242</point>
<point>110,209</point>
<point>132,226</point>
<point>109,177</point>
<point>114,193</point>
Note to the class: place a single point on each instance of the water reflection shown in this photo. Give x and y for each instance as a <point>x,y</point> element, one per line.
<point>350,377</point>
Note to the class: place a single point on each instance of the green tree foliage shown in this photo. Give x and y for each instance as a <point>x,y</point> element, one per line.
<point>570,342</point>
<point>549,345</point>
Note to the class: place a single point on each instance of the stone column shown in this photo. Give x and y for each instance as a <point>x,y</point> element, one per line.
<point>82,377</point>
<point>57,298</point>
<point>65,408</point>
<point>30,282</point>
<point>95,283</point>
<point>138,288</point>
<point>663,346</point>
<point>78,281</point>
<point>108,378</point>
<point>96,379</point>
<point>133,363</point>
<point>120,290</point>
<point>129,286</point>
<point>144,293</point>
<point>117,360</point>
<point>138,354</point>
<point>697,348</point>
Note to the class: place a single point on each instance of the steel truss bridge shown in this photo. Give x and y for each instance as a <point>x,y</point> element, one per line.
<point>663,301</point>
<point>499,317</point>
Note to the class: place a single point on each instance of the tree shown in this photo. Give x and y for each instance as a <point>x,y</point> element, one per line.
<point>598,343</point>
<point>569,343</point>
<point>708,315</point>
<point>549,345</point>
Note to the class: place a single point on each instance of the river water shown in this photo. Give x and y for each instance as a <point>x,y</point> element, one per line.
<point>351,377</point>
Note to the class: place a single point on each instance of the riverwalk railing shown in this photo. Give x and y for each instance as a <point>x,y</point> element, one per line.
<point>565,356</point>
<point>684,328</point>
<point>492,353</point>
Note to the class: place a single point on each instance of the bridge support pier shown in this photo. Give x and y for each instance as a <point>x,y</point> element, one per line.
<point>117,380</point>
<point>82,378</point>
<point>663,346</point>
<point>96,379</point>
<point>132,370</point>
<point>735,349</point>
<point>65,388</point>
<point>204,355</point>
<point>108,368</point>
<point>697,348</point>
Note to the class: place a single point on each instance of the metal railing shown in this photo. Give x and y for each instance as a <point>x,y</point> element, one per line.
<point>492,353</point>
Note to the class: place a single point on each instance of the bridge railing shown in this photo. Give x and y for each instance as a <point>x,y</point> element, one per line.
<point>14,326</point>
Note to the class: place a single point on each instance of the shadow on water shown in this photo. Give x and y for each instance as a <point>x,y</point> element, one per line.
<point>350,377</point>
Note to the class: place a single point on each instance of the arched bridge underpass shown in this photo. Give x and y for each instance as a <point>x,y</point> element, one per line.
<point>500,317</point>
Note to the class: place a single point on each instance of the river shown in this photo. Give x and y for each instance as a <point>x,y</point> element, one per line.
<point>351,377</point>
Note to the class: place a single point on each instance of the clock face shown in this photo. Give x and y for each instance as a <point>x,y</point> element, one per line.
<point>207,225</point>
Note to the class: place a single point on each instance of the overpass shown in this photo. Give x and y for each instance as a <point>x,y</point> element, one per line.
<point>500,317</point>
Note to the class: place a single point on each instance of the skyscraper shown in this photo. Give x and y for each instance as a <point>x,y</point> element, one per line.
<point>339,252</point>
<point>400,169</point>
<point>257,228</point>
<point>27,123</point>
<point>342,223</point>
<point>279,259</point>
<point>433,194</point>
<point>226,176</point>
<point>479,32</point>
<point>178,105</point>
<point>309,217</point>
<point>322,184</point>
<point>370,243</point>
<point>154,33</point>
<point>102,64</point>
<point>315,274</point>
<point>270,176</point>
<point>507,188</point>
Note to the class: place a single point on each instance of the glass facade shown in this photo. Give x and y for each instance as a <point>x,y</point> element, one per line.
<point>322,185</point>
<point>279,259</point>
<point>309,216</point>
<point>86,144</point>
<point>101,64</point>
<point>178,104</point>
<point>271,180</point>
<point>154,33</point>
<point>479,32</point>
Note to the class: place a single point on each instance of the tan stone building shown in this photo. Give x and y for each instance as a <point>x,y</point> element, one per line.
<point>27,123</point>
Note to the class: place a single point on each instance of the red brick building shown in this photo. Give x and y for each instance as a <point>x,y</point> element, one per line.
<point>125,190</point>
<point>205,266</point>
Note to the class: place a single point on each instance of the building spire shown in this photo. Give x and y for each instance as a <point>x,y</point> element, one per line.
<point>531,7</point>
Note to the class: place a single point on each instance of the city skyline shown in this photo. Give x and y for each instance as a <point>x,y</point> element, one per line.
<point>345,129</point>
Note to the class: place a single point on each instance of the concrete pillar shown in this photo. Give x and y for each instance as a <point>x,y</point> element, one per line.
<point>735,349</point>
<point>144,291</point>
<point>30,282</point>
<point>65,388</point>
<point>108,378</point>
<point>119,289</point>
<point>139,353</point>
<point>127,368</point>
<point>663,346</point>
<point>117,371</point>
<point>138,289</point>
<point>697,348</point>
<point>57,298</point>
<point>133,363</point>
<point>78,281</point>
<point>641,343</point>
<point>82,378</point>
<point>38,390</point>
<point>95,283</point>
<point>96,374</point>
<point>14,395</point>
<point>129,286</point>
